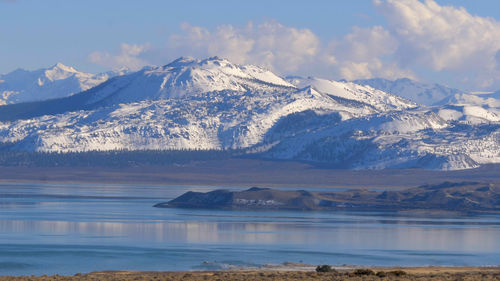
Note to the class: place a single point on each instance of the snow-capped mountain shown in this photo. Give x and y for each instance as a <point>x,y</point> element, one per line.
<point>215,104</point>
<point>469,108</point>
<point>187,77</point>
<point>421,93</point>
<point>348,90</point>
<point>471,99</point>
<point>49,83</point>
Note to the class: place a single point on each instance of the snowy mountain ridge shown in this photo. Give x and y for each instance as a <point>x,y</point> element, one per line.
<point>421,93</point>
<point>53,82</point>
<point>189,77</point>
<point>215,104</point>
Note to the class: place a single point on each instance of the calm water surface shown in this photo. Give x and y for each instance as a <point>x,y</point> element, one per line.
<point>65,229</point>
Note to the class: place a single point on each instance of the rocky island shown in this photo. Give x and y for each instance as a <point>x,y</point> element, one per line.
<point>447,196</point>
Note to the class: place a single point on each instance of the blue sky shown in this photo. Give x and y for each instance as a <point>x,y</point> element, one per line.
<point>331,39</point>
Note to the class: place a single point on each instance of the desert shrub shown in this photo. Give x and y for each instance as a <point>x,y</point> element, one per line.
<point>324,268</point>
<point>397,272</point>
<point>364,271</point>
<point>381,274</point>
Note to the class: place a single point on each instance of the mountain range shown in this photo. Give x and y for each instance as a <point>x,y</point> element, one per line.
<point>421,93</point>
<point>56,81</point>
<point>216,104</point>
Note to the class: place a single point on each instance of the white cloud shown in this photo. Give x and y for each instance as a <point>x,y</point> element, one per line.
<point>128,57</point>
<point>225,41</point>
<point>270,44</point>
<point>443,38</point>
<point>280,48</point>
<point>365,53</point>
<point>363,44</point>
<point>419,38</point>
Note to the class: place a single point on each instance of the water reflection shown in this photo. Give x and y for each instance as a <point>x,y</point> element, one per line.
<point>116,226</point>
<point>332,236</point>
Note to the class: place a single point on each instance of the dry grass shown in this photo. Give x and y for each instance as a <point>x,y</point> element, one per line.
<point>463,274</point>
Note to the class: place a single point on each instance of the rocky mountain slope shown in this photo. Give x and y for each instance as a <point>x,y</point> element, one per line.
<point>215,104</point>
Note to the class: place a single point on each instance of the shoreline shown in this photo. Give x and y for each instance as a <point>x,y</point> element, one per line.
<point>246,173</point>
<point>289,272</point>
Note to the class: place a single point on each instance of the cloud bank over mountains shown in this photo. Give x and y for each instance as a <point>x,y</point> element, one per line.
<point>444,38</point>
<point>418,37</point>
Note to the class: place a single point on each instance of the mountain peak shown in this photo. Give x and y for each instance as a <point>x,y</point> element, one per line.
<point>190,61</point>
<point>188,76</point>
<point>214,59</point>
<point>56,81</point>
<point>61,66</point>
<point>58,72</point>
<point>182,61</point>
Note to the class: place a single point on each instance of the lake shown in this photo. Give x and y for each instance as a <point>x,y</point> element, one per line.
<point>70,228</point>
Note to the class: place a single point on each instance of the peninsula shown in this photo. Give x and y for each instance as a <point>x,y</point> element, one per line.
<point>447,196</point>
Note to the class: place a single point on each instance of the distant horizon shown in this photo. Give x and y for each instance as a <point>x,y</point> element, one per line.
<point>453,43</point>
